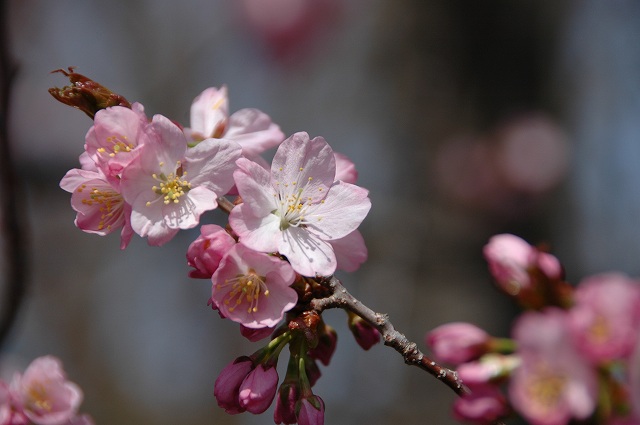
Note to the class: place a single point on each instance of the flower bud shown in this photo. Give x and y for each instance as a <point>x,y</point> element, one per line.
<point>310,411</point>
<point>484,405</point>
<point>205,253</point>
<point>327,341</point>
<point>366,335</point>
<point>285,411</point>
<point>227,386</point>
<point>258,389</point>
<point>85,94</point>
<point>457,342</point>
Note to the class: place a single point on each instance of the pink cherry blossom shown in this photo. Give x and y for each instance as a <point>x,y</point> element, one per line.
<point>258,389</point>
<point>100,207</point>
<point>113,140</point>
<point>350,251</point>
<point>511,258</point>
<point>490,367</point>
<point>204,254</point>
<point>253,288</point>
<point>44,394</point>
<point>285,410</point>
<point>253,334</point>
<point>457,342</point>
<point>605,319</point>
<point>170,186</point>
<point>298,208</point>
<point>250,128</point>
<point>365,335</point>
<point>553,383</point>
<point>345,169</point>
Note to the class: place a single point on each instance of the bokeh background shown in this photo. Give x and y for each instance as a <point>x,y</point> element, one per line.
<point>464,118</point>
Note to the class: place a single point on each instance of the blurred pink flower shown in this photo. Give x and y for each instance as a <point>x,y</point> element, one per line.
<point>553,383</point>
<point>298,208</point>
<point>250,128</point>
<point>605,319</point>
<point>169,186</point>
<point>253,288</point>
<point>457,342</point>
<point>204,254</point>
<point>490,367</point>
<point>345,169</point>
<point>511,259</point>
<point>43,393</point>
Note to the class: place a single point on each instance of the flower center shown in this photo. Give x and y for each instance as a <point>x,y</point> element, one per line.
<point>546,387</point>
<point>37,398</point>
<point>293,204</point>
<point>245,288</point>
<point>172,187</point>
<point>109,202</point>
<point>117,144</point>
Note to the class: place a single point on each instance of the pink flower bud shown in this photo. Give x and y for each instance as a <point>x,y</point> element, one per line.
<point>457,342</point>
<point>311,411</point>
<point>327,341</point>
<point>285,411</point>
<point>204,254</point>
<point>366,336</point>
<point>258,389</point>
<point>484,405</point>
<point>227,386</point>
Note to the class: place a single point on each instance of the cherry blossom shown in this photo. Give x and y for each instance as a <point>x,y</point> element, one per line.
<point>298,208</point>
<point>457,342</point>
<point>170,186</point>
<point>43,393</point>
<point>253,288</point>
<point>553,383</point>
<point>205,253</point>
<point>605,319</point>
<point>251,128</point>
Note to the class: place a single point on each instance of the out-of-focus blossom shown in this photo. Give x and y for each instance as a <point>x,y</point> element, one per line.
<point>227,386</point>
<point>512,261</point>
<point>457,342</point>
<point>100,207</point>
<point>169,187</point>
<point>253,288</point>
<point>85,94</point>
<point>310,411</point>
<point>117,133</point>
<point>488,368</point>
<point>205,253</point>
<point>605,319</point>
<point>554,383</point>
<point>258,389</point>
<point>298,208</point>
<point>484,405</point>
<point>366,335</point>
<point>345,169</point>
<point>44,394</point>
<point>250,128</point>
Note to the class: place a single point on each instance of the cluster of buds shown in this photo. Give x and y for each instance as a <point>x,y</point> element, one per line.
<point>292,225</point>
<point>573,355</point>
<point>41,396</point>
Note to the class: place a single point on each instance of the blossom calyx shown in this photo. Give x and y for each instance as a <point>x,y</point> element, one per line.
<point>85,94</point>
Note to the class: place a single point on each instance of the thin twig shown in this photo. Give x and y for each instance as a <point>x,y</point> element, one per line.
<point>341,298</point>
<point>13,215</point>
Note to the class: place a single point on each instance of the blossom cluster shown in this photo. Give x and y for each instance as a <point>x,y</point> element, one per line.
<point>41,395</point>
<point>292,224</point>
<point>573,355</point>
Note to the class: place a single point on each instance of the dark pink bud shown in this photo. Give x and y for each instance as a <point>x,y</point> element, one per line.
<point>227,386</point>
<point>457,342</point>
<point>327,341</point>
<point>366,335</point>
<point>311,411</point>
<point>258,389</point>
<point>204,254</point>
<point>285,411</point>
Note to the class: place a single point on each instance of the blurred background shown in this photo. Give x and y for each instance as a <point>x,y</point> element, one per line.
<point>464,119</point>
